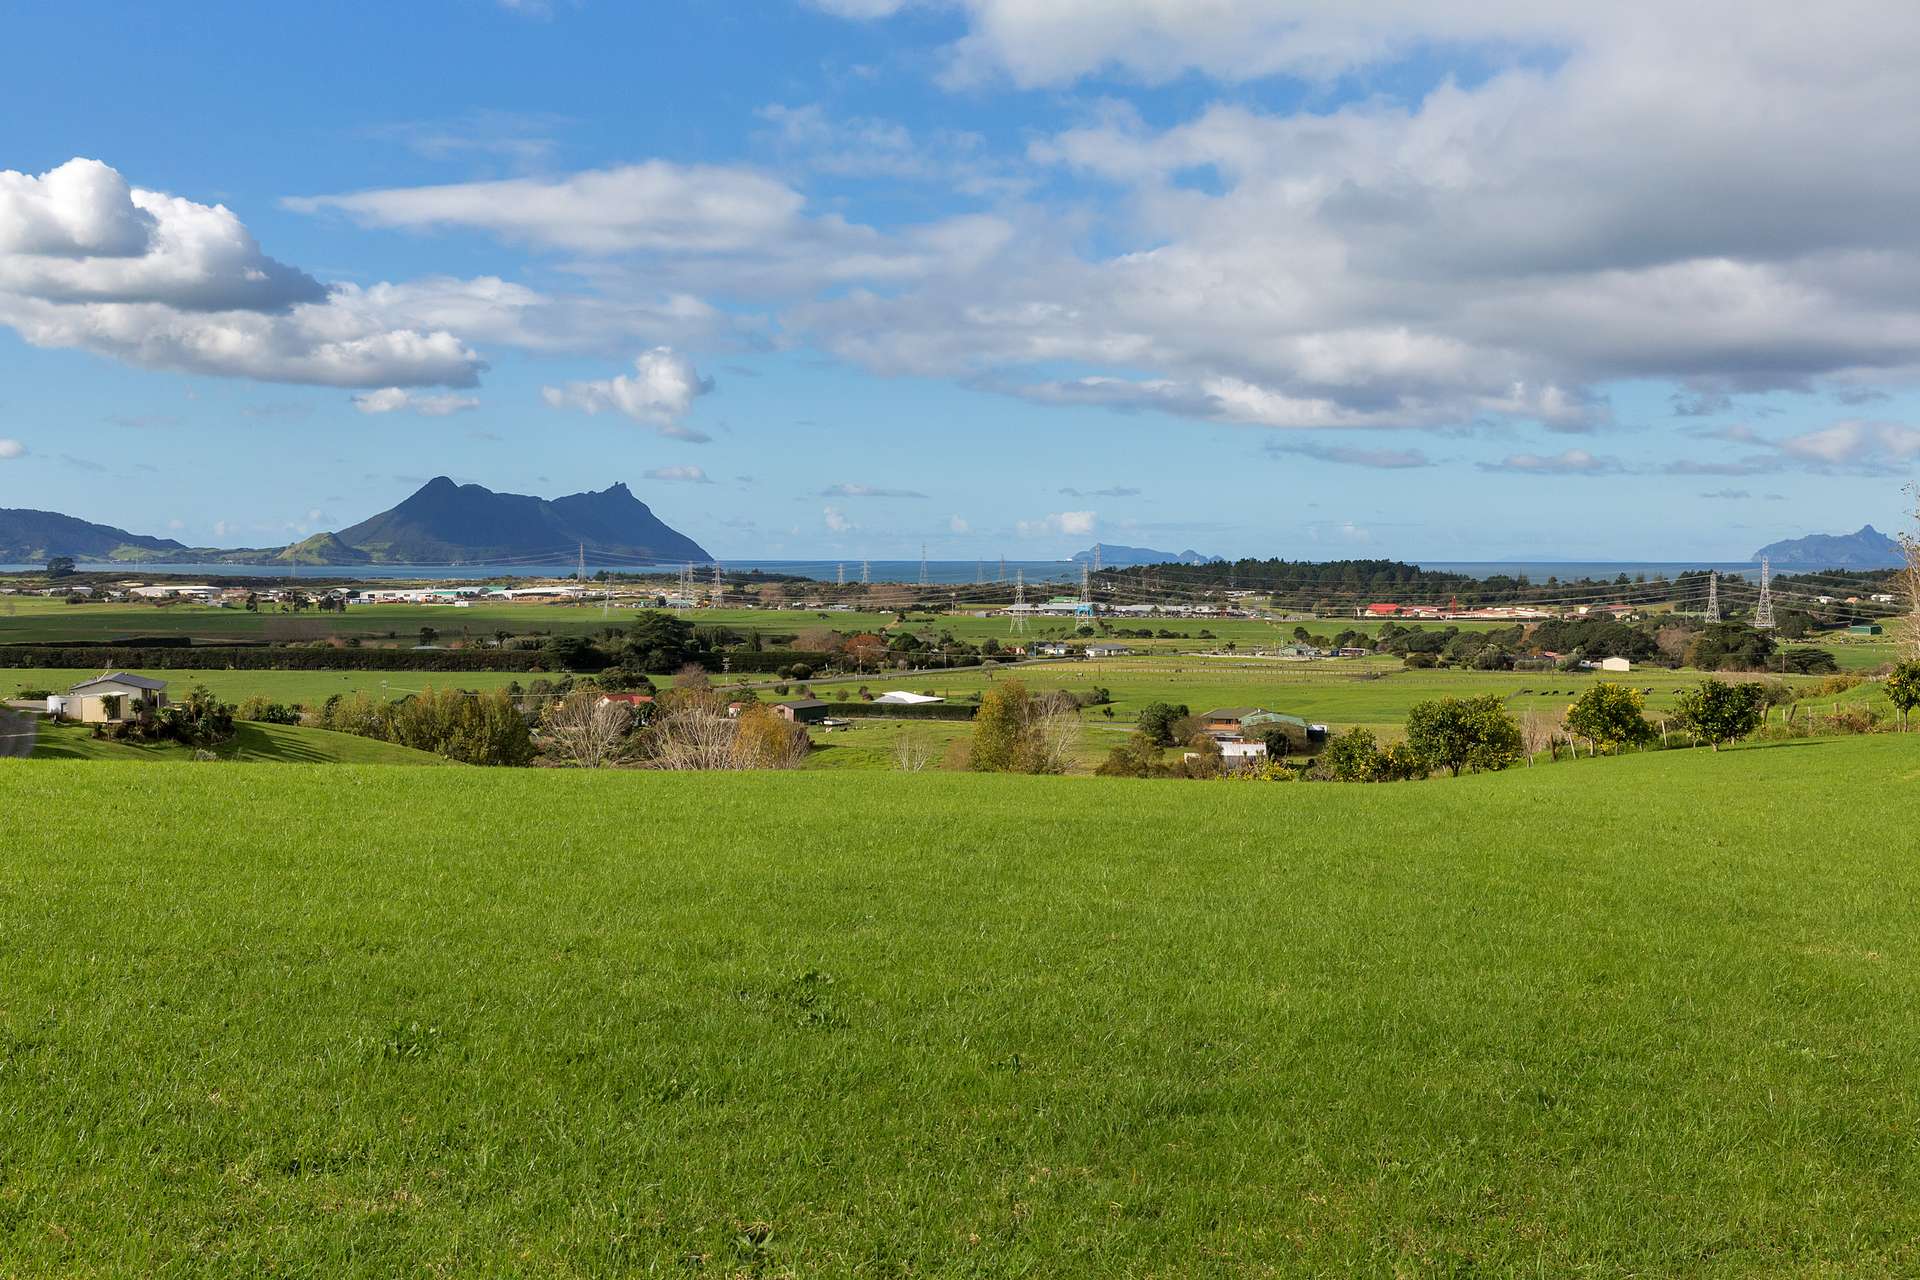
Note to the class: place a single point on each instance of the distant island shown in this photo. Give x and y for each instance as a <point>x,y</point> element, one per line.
<point>441,523</point>
<point>1116,557</point>
<point>1866,549</point>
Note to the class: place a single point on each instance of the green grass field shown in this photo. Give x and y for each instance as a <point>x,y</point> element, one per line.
<point>1373,692</point>
<point>1599,1020</point>
<point>38,619</point>
<point>252,744</point>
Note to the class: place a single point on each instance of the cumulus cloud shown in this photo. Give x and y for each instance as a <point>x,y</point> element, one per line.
<point>11,449</point>
<point>1494,248</point>
<point>1076,524</point>
<point>679,475</point>
<point>1573,462</point>
<point>89,261</point>
<point>395,399</point>
<point>958,524</point>
<point>658,393</point>
<point>835,519</point>
<point>845,490</point>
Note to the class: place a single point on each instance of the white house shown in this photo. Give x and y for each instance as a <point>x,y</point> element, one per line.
<point>110,699</point>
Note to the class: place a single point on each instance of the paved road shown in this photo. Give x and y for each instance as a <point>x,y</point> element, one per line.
<point>16,735</point>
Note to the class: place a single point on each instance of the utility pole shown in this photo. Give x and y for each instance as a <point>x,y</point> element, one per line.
<point>719,586</point>
<point>1763,612</point>
<point>1713,596</point>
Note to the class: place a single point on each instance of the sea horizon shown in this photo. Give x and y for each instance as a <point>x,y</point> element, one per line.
<point>938,572</point>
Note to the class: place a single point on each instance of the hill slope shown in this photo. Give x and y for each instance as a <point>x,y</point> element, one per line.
<point>1867,548</point>
<point>31,537</point>
<point>382,1020</point>
<point>448,523</point>
<point>322,548</point>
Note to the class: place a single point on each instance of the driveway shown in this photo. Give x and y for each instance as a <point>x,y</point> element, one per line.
<point>16,735</point>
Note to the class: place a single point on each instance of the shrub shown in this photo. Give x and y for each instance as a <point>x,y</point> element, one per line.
<point>1352,756</point>
<point>261,710</point>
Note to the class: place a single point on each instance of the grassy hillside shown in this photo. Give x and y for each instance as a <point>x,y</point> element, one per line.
<point>1653,1016</point>
<point>252,744</point>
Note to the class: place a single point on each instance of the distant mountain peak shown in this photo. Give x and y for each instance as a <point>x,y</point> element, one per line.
<point>447,523</point>
<point>1866,549</point>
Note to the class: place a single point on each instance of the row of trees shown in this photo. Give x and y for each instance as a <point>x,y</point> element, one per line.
<point>1668,641</point>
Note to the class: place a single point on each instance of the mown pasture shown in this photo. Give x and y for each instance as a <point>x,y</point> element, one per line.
<point>360,1021</point>
<point>1372,692</point>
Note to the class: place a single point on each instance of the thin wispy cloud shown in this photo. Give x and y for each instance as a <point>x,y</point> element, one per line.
<point>1354,456</point>
<point>849,490</point>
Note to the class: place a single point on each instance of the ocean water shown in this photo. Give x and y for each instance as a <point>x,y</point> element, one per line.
<point>940,572</point>
<point>943,572</point>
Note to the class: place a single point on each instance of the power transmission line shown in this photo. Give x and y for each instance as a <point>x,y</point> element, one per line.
<point>1713,597</point>
<point>1763,612</point>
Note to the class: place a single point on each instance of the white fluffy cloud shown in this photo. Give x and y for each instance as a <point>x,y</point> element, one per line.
<point>396,399</point>
<point>11,449</point>
<point>686,229</point>
<point>1493,249</point>
<point>658,393</point>
<point>1077,524</point>
<point>836,520</point>
<point>86,260</point>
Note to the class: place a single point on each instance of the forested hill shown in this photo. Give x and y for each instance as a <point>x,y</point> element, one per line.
<point>1375,579</point>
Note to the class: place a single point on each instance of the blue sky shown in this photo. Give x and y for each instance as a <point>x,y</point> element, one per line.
<point>836,278</point>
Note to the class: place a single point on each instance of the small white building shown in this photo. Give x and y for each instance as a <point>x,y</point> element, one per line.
<point>110,699</point>
<point>1613,664</point>
<point>902,698</point>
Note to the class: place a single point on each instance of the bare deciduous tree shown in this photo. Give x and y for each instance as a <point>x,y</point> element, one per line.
<point>1910,544</point>
<point>692,737</point>
<point>1055,733</point>
<point>912,751</point>
<point>1536,732</point>
<point>592,733</point>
